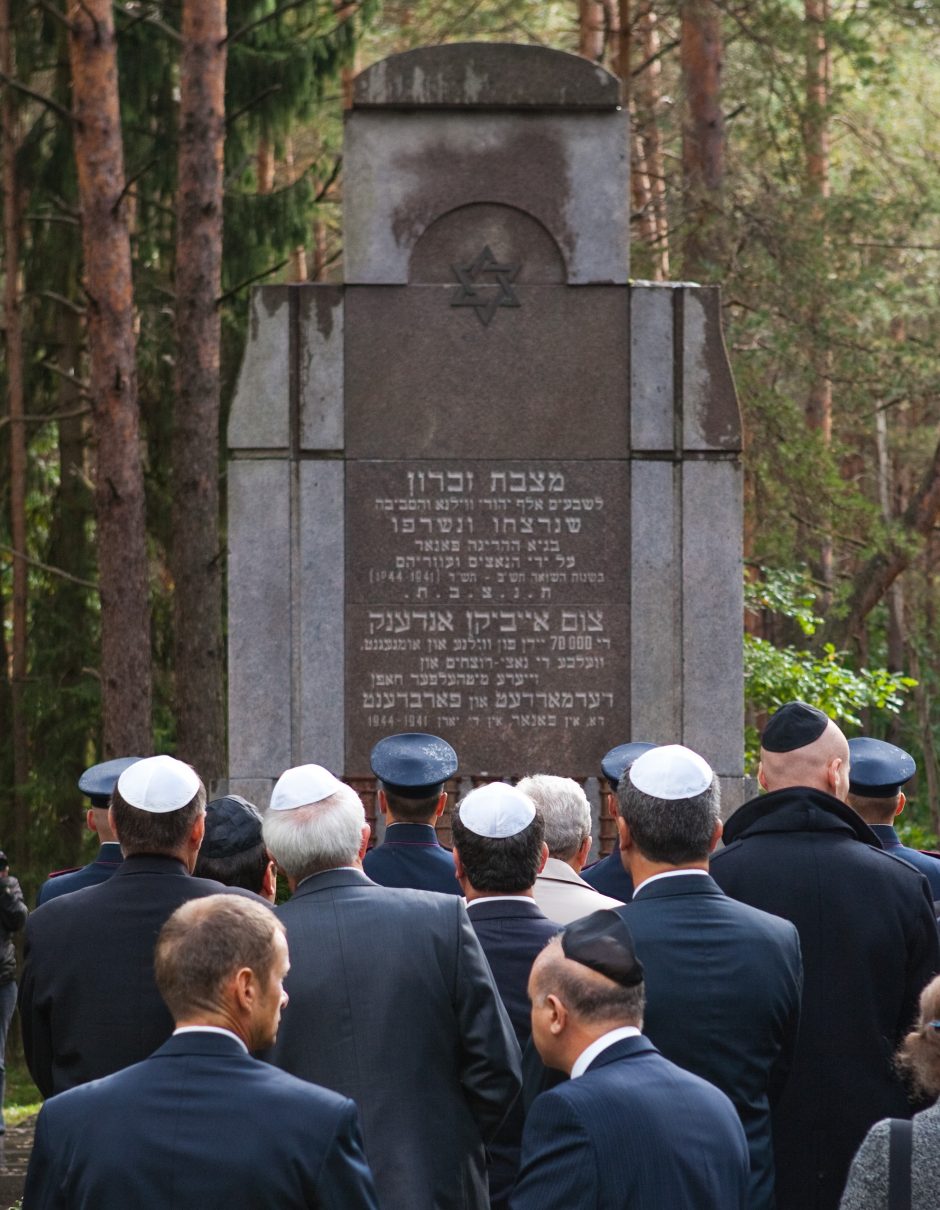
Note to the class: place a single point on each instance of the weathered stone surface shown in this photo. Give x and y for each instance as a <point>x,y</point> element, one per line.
<point>259,618</point>
<point>710,416</point>
<point>568,171</point>
<point>712,595</point>
<point>486,75</point>
<point>425,379</point>
<point>256,790</point>
<point>320,372</point>
<point>652,369</point>
<point>320,666</point>
<point>260,413</point>
<point>655,604</point>
<point>514,238</point>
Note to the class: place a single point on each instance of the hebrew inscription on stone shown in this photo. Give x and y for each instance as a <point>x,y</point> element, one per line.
<point>487,603</point>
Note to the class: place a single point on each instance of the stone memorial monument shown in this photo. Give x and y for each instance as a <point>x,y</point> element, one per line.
<point>488,487</point>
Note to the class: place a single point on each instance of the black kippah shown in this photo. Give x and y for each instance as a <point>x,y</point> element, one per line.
<point>232,826</point>
<point>793,726</point>
<point>603,942</point>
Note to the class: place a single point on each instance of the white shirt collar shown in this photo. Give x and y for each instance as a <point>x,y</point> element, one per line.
<point>667,874</point>
<point>210,1029</point>
<point>500,899</point>
<point>587,1056</point>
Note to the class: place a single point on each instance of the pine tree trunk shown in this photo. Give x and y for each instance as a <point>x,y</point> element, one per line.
<point>648,96</point>
<point>119,486</point>
<point>592,23</point>
<point>703,137</point>
<point>14,372</point>
<point>197,563</point>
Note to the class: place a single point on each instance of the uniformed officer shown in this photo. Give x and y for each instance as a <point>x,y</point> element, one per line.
<point>412,768</point>
<point>877,772</point>
<point>608,875</point>
<point>96,784</point>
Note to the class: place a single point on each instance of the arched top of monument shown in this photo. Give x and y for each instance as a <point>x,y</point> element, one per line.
<point>486,75</point>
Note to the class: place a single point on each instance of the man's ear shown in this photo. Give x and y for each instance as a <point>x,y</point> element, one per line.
<point>716,836</point>
<point>612,805</point>
<point>441,804</point>
<point>198,831</point>
<point>269,881</point>
<point>90,821</point>
<point>583,851</point>
<point>458,864</point>
<point>623,832</point>
<point>559,1014</point>
<point>902,799</point>
<point>762,777</point>
<point>245,988</point>
<point>364,842</point>
<point>382,801</point>
<point>544,858</point>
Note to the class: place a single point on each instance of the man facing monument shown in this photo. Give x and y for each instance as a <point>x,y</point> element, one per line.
<point>559,890</point>
<point>88,1001</point>
<point>391,1003</point>
<point>700,948</point>
<point>608,875</point>
<point>200,1123</point>
<point>868,937</point>
<point>412,768</point>
<point>628,1128</point>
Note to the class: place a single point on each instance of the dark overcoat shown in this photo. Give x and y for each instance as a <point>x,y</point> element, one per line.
<point>869,941</point>
<point>634,1131</point>
<point>88,998</point>
<point>392,1003</point>
<point>723,984</point>
<point>100,870</point>
<point>198,1126</point>
<point>609,877</point>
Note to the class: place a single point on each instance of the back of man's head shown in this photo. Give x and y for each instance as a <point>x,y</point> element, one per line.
<point>204,943</point>
<point>564,809</point>
<point>498,836</point>
<point>802,746</point>
<point>314,822</point>
<point>879,811</point>
<point>592,998</point>
<point>155,806</point>
<point>671,801</point>
<point>233,851</point>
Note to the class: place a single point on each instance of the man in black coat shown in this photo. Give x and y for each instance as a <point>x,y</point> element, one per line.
<point>723,980</point>
<point>89,1004</point>
<point>13,913</point>
<point>869,942</point>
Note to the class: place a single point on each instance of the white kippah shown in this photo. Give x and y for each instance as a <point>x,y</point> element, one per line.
<point>158,784</point>
<point>671,772</point>
<point>301,786</point>
<point>496,810</point>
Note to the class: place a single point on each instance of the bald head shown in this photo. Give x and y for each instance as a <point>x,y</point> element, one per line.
<point>821,765</point>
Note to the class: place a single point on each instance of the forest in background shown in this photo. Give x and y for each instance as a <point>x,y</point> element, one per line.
<point>785,149</point>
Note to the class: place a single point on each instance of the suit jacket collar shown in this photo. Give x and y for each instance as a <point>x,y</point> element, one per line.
<point>667,888</point>
<point>502,909</point>
<point>412,834</point>
<point>328,880</point>
<point>151,863</point>
<point>557,870</point>
<point>626,1048</point>
<point>199,1043</point>
<point>109,853</point>
<point>887,835</point>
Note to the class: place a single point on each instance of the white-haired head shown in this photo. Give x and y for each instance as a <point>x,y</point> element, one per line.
<point>565,810</point>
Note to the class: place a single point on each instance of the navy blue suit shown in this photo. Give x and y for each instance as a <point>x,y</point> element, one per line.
<point>723,984</point>
<point>609,877</point>
<point>869,941</point>
<point>634,1131</point>
<point>100,870</point>
<point>928,866</point>
<point>412,856</point>
<point>200,1124</point>
<point>88,1000</point>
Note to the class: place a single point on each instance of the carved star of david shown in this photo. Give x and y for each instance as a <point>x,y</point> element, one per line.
<point>485,285</point>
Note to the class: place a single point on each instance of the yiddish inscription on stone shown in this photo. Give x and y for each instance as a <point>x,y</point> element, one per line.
<point>487,600</point>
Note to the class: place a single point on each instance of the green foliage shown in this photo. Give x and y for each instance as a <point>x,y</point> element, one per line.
<point>774,674</point>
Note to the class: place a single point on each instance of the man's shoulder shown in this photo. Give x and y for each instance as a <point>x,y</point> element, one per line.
<point>398,901</point>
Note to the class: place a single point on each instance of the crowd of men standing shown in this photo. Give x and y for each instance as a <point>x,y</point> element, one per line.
<point>418,1029</point>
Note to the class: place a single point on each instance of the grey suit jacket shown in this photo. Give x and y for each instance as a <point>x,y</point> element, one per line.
<point>392,1003</point>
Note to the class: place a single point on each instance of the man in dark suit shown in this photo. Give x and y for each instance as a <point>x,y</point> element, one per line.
<point>868,937</point>
<point>88,1001</point>
<point>412,769</point>
<point>723,980</point>
<point>96,783</point>
<point>609,875</point>
<point>200,1123</point>
<point>629,1128</point>
<point>391,1003</point>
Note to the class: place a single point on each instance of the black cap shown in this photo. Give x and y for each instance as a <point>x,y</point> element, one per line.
<point>98,781</point>
<point>413,764</point>
<point>4,860</point>
<point>233,826</point>
<point>793,726</point>
<point>603,942</point>
<point>878,769</point>
<point>619,759</point>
